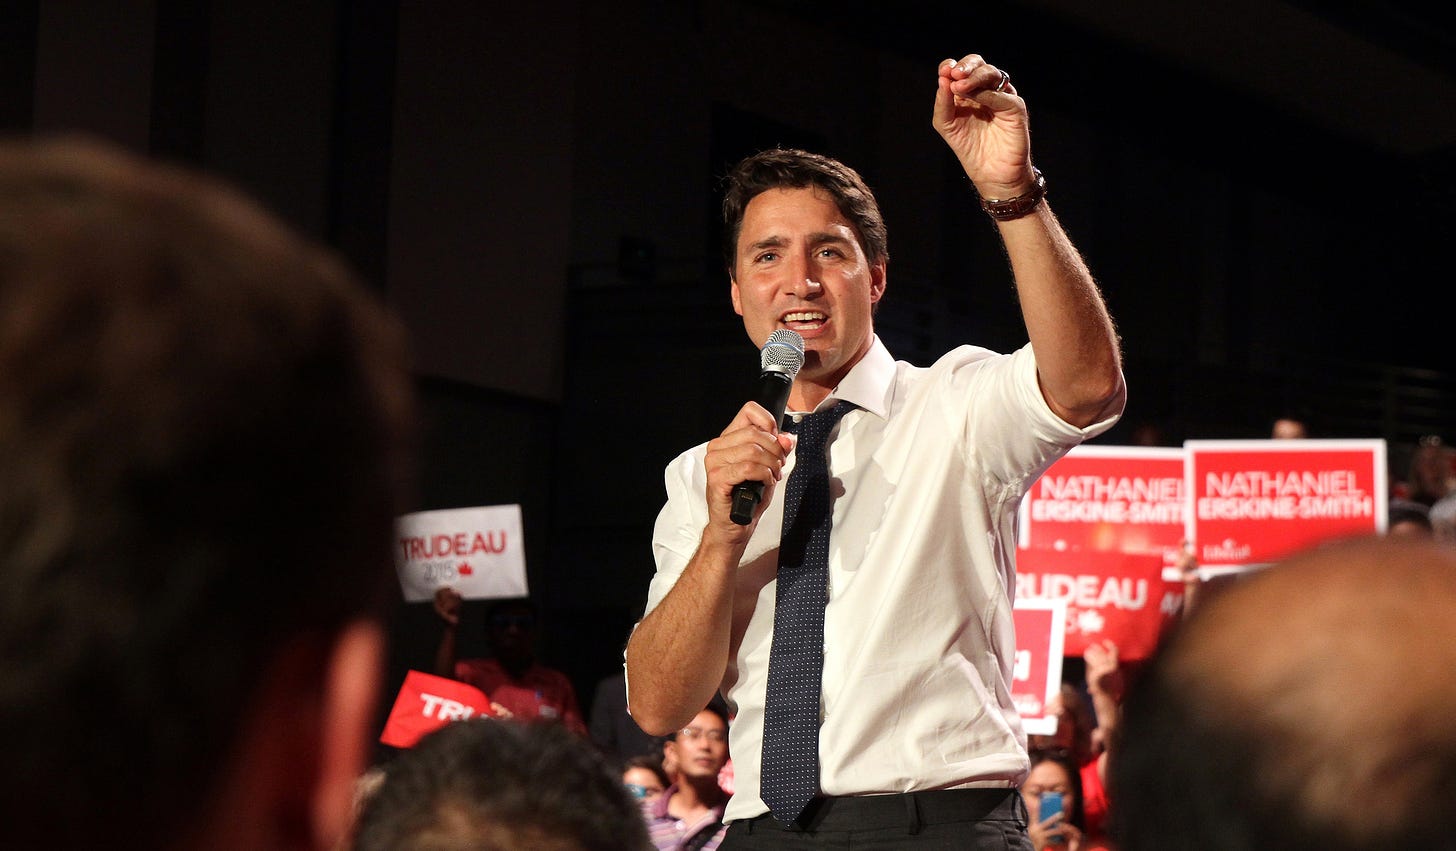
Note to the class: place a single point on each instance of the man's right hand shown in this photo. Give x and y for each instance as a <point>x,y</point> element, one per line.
<point>750,449</point>
<point>447,605</point>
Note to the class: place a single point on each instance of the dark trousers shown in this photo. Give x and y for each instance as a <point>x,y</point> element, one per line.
<point>979,819</point>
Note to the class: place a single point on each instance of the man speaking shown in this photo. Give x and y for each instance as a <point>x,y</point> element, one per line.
<point>860,623</point>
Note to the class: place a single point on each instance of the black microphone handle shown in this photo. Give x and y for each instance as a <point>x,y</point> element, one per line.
<point>773,394</point>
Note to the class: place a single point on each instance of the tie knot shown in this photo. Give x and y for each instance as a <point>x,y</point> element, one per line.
<point>814,429</point>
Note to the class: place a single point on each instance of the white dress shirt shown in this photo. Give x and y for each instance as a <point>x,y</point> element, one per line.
<point>926,478</point>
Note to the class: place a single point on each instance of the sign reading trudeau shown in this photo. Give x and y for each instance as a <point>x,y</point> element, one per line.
<point>1254,502</point>
<point>1120,597</point>
<point>476,551</point>
<point>426,703</point>
<point>1036,676</point>
<point>1126,499</point>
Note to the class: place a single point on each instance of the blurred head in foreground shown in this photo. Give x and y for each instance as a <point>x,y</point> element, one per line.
<point>489,785</point>
<point>204,423</point>
<point>1302,708</point>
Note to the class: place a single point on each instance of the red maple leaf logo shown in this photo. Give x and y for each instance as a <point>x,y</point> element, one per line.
<point>464,569</point>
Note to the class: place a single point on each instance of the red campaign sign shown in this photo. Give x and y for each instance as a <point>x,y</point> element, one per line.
<point>1112,498</point>
<point>1036,676</point>
<point>426,703</point>
<point>1121,597</point>
<point>1254,502</point>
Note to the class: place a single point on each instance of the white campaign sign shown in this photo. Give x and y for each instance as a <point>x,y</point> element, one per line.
<point>477,551</point>
<point>1036,678</point>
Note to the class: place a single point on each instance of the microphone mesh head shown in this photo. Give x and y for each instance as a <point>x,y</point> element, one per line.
<point>783,353</point>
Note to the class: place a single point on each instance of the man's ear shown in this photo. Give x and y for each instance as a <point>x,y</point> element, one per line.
<point>878,280</point>
<point>351,682</point>
<point>734,294</point>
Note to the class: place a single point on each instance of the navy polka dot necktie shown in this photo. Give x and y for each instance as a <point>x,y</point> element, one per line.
<point>790,774</point>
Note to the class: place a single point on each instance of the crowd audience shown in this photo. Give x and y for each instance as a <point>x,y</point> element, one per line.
<point>1075,762</point>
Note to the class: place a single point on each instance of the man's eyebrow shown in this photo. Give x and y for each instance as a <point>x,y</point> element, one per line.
<point>816,238</point>
<point>768,242</point>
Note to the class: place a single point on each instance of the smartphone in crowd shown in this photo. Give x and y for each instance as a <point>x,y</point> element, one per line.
<point>1050,804</point>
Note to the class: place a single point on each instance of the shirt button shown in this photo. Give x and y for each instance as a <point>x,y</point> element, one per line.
<point>798,418</point>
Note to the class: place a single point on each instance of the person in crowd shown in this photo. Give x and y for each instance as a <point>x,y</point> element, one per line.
<point>1405,517</point>
<point>611,727</point>
<point>205,435</point>
<point>483,785</point>
<point>860,626</point>
<point>689,815</point>
<point>1078,738</point>
<point>1054,771</point>
<point>645,777</point>
<point>1300,708</point>
<point>1432,473</point>
<point>1288,428</point>
<point>511,676</point>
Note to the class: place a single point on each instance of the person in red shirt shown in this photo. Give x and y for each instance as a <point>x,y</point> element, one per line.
<point>511,677</point>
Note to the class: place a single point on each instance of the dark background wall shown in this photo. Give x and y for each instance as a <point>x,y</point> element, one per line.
<point>1266,191</point>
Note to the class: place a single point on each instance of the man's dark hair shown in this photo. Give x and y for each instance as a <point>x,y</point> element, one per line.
<point>650,763</point>
<point>718,707</point>
<point>204,429</point>
<point>489,785</point>
<point>789,168</point>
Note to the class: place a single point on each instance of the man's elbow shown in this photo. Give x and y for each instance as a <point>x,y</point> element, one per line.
<point>1092,400</point>
<point>652,721</point>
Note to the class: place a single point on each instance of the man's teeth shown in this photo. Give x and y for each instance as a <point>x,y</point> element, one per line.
<point>804,317</point>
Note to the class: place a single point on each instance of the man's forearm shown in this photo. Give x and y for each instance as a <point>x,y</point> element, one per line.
<point>1077,352</point>
<point>677,655</point>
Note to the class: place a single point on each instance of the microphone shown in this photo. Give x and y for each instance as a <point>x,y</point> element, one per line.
<point>779,362</point>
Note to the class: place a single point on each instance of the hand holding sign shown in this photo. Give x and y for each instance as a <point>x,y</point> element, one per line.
<point>447,605</point>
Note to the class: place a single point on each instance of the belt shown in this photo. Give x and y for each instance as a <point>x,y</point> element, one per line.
<point>909,810</point>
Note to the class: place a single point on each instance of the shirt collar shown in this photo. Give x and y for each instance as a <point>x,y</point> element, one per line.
<point>869,384</point>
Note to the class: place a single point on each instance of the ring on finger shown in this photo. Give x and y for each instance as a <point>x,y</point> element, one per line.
<point>1005,78</point>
